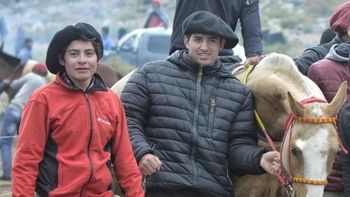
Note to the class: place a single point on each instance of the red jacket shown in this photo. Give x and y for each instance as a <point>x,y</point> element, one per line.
<point>69,138</point>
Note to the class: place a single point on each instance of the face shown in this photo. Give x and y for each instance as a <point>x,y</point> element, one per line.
<point>202,48</point>
<point>80,62</point>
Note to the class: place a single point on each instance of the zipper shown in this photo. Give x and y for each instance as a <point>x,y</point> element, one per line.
<point>195,122</point>
<point>89,144</point>
<point>211,115</point>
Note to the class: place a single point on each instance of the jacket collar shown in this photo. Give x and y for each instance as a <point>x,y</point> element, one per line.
<point>96,83</point>
<point>181,58</point>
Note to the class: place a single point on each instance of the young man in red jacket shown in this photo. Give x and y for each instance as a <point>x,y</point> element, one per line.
<point>74,129</point>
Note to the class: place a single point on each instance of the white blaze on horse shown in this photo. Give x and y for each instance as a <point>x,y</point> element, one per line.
<point>295,114</point>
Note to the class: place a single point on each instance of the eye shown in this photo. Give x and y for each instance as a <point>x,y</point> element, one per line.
<point>90,53</point>
<point>296,151</point>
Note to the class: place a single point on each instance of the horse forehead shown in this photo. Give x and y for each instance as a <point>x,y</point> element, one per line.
<point>314,140</point>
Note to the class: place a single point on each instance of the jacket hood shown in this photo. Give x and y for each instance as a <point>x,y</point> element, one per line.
<point>339,52</point>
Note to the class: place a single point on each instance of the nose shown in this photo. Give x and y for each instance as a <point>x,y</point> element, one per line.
<point>82,58</point>
<point>204,46</point>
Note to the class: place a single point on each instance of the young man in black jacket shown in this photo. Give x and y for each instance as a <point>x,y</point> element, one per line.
<point>190,121</point>
<point>244,11</point>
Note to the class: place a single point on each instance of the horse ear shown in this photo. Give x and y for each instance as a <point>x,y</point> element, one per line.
<point>338,100</point>
<point>296,107</point>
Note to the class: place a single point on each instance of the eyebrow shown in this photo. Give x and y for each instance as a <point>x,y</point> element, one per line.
<point>76,50</point>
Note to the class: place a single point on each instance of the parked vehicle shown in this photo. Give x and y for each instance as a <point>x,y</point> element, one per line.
<point>144,45</point>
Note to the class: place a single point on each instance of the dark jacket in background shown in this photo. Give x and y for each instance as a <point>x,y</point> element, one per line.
<point>313,54</point>
<point>247,11</point>
<point>328,74</point>
<point>198,120</point>
<point>344,127</point>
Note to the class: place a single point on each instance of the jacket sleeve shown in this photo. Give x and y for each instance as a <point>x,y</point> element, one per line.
<point>310,56</point>
<point>251,28</point>
<point>125,166</point>
<point>136,102</point>
<point>244,156</point>
<point>33,134</point>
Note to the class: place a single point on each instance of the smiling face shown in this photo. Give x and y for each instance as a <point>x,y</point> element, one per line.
<point>80,62</point>
<point>202,48</point>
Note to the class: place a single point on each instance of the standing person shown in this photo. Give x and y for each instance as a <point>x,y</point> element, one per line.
<point>157,17</point>
<point>339,24</point>
<point>12,116</point>
<point>25,53</point>
<point>328,74</point>
<point>245,11</point>
<point>190,121</point>
<point>108,45</point>
<point>74,128</point>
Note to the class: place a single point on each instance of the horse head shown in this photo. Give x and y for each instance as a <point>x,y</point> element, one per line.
<point>311,142</point>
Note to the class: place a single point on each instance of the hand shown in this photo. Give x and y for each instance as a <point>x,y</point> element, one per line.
<point>253,60</point>
<point>271,163</point>
<point>7,81</point>
<point>149,164</point>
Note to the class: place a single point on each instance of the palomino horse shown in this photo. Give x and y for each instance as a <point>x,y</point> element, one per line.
<point>283,96</point>
<point>294,113</point>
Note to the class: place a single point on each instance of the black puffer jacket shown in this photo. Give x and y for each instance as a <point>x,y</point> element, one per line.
<point>198,120</point>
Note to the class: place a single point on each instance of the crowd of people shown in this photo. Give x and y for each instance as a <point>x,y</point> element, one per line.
<point>181,125</point>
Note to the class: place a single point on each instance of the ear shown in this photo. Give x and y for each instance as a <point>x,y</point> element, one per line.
<point>61,60</point>
<point>187,40</point>
<point>296,107</point>
<point>338,100</point>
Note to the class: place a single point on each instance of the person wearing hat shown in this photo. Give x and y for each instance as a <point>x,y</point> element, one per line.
<point>73,130</point>
<point>339,24</point>
<point>231,11</point>
<point>25,86</point>
<point>157,16</point>
<point>190,121</point>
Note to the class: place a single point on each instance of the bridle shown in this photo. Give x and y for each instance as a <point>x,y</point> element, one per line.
<point>284,178</point>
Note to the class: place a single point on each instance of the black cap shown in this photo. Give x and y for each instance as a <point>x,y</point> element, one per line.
<point>63,37</point>
<point>208,23</point>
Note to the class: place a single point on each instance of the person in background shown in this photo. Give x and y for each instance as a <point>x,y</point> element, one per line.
<point>26,85</point>
<point>157,17</point>
<point>73,130</point>
<point>244,11</point>
<point>25,53</point>
<point>339,24</point>
<point>190,121</point>
<point>108,44</point>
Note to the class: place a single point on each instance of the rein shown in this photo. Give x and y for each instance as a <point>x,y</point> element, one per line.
<point>283,176</point>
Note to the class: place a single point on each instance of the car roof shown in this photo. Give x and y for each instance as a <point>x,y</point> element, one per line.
<point>141,31</point>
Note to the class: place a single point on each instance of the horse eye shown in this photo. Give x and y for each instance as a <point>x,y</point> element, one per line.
<point>296,151</point>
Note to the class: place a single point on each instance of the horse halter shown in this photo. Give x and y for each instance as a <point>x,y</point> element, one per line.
<point>292,117</point>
